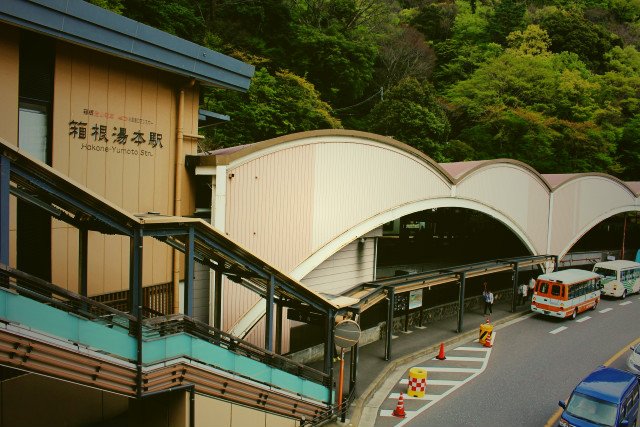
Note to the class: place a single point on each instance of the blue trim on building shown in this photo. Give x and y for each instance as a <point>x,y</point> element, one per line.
<point>82,23</point>
<point>117,342</point>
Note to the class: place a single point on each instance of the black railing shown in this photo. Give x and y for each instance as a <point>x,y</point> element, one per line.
<point>42,291</point>
<point>168,325</point>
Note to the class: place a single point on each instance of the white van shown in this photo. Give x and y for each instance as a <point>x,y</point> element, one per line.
<point>620,278</point>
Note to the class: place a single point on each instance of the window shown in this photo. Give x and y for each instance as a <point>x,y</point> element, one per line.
<point>35,92</point>
<point>555,290</point>
<point>37,57</point>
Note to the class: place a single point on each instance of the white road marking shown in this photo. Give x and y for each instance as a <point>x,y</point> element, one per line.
<point>583,319</point>
<point>445,369</point>
<point>626,303</point>
<point>413,414</point>
<point>485,349</point>
<point>389,413</point>
<point>605,310</point>
<point>406,396</point>
<point>560,329</point>
<point>405,381</point>
<point>465,358</point>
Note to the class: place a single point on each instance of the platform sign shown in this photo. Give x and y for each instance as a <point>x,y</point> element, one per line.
<point>415,299</point>
<point>346,334</point>
<point>310,317</point>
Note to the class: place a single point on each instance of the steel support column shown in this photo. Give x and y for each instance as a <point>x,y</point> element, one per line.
<point>555,262</point>
<point>5,167</point>
<point>462,279</point>
<point>514,301</point>
<point>328,351</point>
<point>268,333</point>
<point>390,307</point>
<point>135,291</point>
<point>83,250</point>
<point>278,328</point>
<point>189,265</point>
<point>217,300</point>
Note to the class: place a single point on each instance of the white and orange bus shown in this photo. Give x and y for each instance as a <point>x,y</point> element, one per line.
<point>566,293</point>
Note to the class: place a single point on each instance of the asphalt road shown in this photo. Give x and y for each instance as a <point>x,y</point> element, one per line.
<point>535,362</point>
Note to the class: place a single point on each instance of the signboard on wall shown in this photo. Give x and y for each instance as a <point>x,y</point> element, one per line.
<point>132,137</point>
<point>415,299</point>
<point>305,316</point>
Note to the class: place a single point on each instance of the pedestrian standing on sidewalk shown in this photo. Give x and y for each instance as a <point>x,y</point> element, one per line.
<point>532,285</point>
<point>522,290</point>
<point>488,301</point>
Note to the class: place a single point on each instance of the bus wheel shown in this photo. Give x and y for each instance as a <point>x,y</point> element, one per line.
<point>624,294</point>
<point>574,314</point>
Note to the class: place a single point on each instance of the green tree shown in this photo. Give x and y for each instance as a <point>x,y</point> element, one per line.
<point>341,68</point>
<point>629,149</point>
<point>571,32</point>
<point>178,17</point>
<point>532,41</point>
<point>508,16</point>
<point>411,114</point>
<point>275,105</point>
<point>435,20</point>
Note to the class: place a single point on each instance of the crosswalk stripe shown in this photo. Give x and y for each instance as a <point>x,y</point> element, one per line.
<point>465,359</point>
<point>560,329</point>
<point>485,349</point>
<point>446,369</point>
<point>582,319</point>
<point>626,303</point>
<point>405,381</point>
<point>606,310</point>
<point>395,396</point>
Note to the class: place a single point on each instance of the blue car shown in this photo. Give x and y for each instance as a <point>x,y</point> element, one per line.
<point>606,397</point>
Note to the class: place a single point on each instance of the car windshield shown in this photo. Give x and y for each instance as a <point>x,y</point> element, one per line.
<point>592,410</point>
<point>610,274</point>
<point>637,349</point>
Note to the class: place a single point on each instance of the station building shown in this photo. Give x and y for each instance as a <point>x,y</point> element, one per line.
<point>111,107</point>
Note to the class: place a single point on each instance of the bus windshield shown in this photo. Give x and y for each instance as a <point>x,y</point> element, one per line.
<point>606,272</point>
<point>592,410</point>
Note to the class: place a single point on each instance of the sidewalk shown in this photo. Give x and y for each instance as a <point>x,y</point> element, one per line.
<point>373,370</point>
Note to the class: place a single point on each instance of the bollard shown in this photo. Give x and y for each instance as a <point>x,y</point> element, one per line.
<point>417,382</point>
<point>485,331</point>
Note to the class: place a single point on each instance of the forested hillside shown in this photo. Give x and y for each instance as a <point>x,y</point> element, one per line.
<point>555,84</point>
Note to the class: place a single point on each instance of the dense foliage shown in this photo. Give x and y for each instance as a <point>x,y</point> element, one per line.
<point>553,83</point>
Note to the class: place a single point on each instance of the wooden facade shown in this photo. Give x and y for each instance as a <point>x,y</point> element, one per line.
<point>114,130</point>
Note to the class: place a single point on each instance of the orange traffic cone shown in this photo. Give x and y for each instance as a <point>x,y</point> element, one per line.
<point>399,411</point>
<point>441,355</point>
<point>487,342</point>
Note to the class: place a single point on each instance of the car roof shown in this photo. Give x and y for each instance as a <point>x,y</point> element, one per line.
<point>608,384</point>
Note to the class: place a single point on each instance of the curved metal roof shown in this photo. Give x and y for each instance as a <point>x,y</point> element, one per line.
<point>454,172</point>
